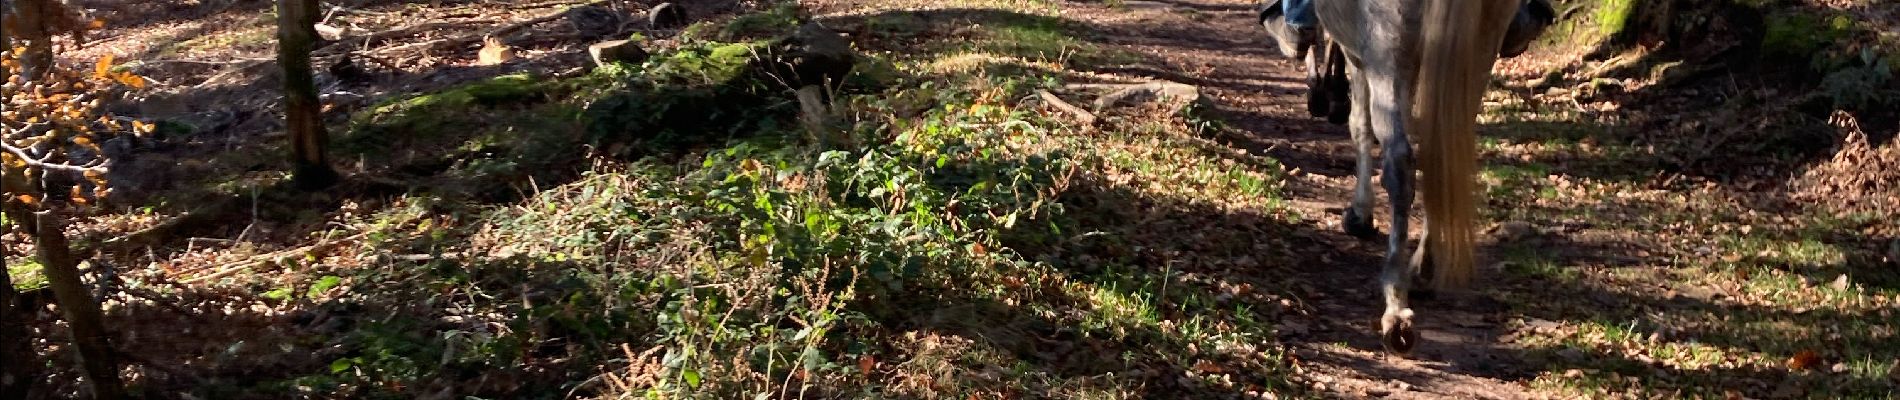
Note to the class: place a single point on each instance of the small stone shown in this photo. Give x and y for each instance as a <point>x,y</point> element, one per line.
<point>1542,325</point>
<point>332,32</point>
<point>1841,283</point>
<point>616,51</point>
<point>1149,92</point>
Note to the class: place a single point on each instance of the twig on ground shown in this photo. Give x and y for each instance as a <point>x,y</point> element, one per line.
<point>233,70</point>
<point>1084,116</point>
<point>426,257</point>
<point>273,258</point>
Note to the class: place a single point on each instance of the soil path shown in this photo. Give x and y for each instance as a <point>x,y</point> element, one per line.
<point>1215,44</point>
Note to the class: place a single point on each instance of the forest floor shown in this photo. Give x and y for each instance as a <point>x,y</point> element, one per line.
<point>1665,221</point>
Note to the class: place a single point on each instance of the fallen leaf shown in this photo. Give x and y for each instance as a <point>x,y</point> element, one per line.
<point>103,68</point>
<point>1805,359</point>
<point>1841,283</point>
<point>1207,367</point>
<point>865,364</point>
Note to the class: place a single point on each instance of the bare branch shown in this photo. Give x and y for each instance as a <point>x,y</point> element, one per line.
<point>42,164</point>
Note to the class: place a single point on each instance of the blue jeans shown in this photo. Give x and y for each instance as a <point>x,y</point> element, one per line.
<point>1299,13</point>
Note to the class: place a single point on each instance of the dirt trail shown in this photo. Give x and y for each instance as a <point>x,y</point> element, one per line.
<point>1215,45</point>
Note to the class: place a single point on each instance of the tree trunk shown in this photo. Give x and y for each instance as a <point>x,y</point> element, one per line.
<point>75,302</point>
<point>6,32</point>
<point>296,37</point>
<point>16,351</point>
<point>29,23</point>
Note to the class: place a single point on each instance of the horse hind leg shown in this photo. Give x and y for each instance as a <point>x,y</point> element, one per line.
<point>1357,218</point>
<point>1422,262</point>
<point>1336,84</point>
<point>1388,104</point>
<point>1318,97</point>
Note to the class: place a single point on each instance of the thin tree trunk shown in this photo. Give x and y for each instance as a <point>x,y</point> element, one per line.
<point>16,351</point>
<point>29,22</point>
<point>296,37</point>
<point>75,302</point>
<point>6,35</point>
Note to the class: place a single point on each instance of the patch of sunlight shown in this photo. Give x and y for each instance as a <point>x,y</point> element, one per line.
<point>25,274</point>
<point>1527,261</point>
<point>1037,7</point>
<point>1163,165</point>
<point>972,62</point>
<point>1119,312</point>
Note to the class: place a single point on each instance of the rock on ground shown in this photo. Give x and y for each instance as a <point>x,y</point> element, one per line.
<point>1148,93</point>
<point>616,51</point>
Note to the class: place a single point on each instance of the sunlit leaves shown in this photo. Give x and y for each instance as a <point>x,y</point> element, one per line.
<point>103,71</point>
<point>55,127</point>
<point>104,68</point>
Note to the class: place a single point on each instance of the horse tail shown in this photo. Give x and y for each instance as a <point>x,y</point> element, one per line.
<point>1460,42</point>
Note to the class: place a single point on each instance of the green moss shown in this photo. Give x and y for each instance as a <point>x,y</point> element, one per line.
<point>777,21</point>
<point>1802,35</point>
<point>25,274</point>
<point>1612,16</point>
<point>421,112</point>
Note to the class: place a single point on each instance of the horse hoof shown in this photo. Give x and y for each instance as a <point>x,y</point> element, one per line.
<point>1359,226</point>
<point>1397,333</point>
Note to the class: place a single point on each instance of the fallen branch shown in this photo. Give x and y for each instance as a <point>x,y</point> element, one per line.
<point>1086,117</point>
<point>396,33</point>
<point>233,70</point>
<point>427,257</point>
<point>364,41</point>
<point>205,62</point>
<point>511,28</point>
<point>273,258</point>
<point>541,5</point>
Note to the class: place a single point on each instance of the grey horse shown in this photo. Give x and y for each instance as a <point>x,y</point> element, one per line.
<point>1419,69</point>
<point>1328,92</point>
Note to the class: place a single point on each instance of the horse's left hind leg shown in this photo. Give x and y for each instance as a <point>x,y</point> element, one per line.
<point>1390,102</point>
